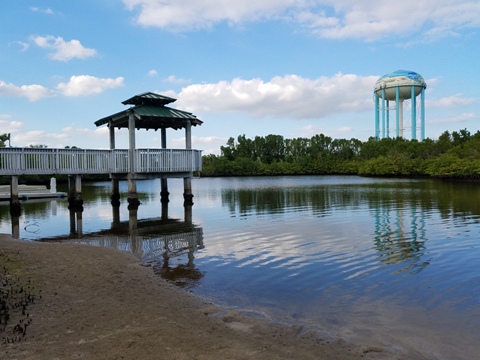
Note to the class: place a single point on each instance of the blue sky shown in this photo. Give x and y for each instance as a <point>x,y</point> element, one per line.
<point>289,67</point>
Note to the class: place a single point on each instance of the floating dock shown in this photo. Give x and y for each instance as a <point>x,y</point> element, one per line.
<point>26,192</point>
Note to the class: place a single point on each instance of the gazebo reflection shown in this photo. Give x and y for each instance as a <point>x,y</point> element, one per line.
<point>156,241</point>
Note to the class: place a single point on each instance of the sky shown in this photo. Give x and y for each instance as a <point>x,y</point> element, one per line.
<point>294,68</point>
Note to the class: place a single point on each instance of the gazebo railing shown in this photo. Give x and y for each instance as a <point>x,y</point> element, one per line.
<point>37,161</point>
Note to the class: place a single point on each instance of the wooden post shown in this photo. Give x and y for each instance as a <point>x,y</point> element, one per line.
<point>15,209</point>
<point>71,189</point>
<point>78,190</point>
<point>73,227</point>
<point>164,191</point>
<point>187,181</point>
<point>164,211</point>
<point>187,191</point>
<point>79,223</point>
<point>75,200</point>
<point>188,214</point>
<point>163,181</point>
<point>132,186</point>
<point>16,226</point>
<point>115,197</point>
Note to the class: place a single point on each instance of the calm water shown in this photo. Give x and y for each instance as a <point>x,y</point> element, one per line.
<point>392,261</point>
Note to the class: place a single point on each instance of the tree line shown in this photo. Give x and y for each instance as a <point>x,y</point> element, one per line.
<point>453,155</point>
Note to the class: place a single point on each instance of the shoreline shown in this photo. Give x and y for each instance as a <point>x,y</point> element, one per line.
<point>101,303</point>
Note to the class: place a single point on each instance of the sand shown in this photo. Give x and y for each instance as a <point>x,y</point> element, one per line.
<point>99,303</point>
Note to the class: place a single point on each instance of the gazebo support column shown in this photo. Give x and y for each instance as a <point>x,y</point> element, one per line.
<point>15,209</point>
<point>132,183</point>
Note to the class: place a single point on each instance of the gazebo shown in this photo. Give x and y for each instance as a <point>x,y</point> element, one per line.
<point>149,112</point>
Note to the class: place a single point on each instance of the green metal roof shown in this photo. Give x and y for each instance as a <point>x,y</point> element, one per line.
<point>151,113</point>
<point>149,98</point>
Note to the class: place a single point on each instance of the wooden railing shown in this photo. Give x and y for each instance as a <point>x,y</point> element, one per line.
<point>36,161</point>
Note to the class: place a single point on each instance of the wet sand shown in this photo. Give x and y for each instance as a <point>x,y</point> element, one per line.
<point>100,303</point>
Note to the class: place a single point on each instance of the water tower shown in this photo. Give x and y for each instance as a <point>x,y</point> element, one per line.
<point>398,86</point>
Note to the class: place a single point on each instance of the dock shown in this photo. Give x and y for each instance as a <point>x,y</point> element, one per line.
<point>26,192</point>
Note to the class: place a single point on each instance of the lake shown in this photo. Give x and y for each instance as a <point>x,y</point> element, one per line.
<point>389,261</point>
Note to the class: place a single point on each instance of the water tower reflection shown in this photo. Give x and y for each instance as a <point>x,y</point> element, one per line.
<point>400,237</point>
<point>394,216</point>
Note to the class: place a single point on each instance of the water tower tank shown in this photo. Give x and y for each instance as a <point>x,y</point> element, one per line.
<point>396,87</point>
<point>404,80</point>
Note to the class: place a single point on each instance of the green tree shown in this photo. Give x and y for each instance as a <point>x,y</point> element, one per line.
<point>3,139</point>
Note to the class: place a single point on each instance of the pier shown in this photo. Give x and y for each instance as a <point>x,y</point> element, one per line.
<point>149,112</point>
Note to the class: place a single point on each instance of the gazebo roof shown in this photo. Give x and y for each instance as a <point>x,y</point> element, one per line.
<point>150,113</point>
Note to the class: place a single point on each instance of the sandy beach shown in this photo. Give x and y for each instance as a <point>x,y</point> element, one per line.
<point>97,303</point>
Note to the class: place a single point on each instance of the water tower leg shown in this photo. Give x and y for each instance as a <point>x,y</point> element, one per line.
<point>383,113</point>
<point>397,112</point>
<point>400,118</point>
<point>422,114</point>
<point>414,114</point>
<point>377,117</point>
<point>388,119</point>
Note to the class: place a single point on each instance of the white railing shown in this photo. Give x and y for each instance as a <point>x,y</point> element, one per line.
<point>36,161</point>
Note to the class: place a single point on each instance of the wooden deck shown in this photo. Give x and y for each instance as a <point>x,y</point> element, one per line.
<point>36,161</point>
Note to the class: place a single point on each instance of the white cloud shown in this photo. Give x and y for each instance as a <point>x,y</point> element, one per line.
<point>83,85</point>
<point>202,14</point>
<point>24,45</point>
<point>454,119</point>
<point>38,137</point>
<point>376,19</point>
<point>335,19</point>
<point>47,11</point>
<point>31,92</point>
<point>175,80</point>
<point>9,126</point>
<point>99,132</point>
<point>152,73</point>
<point>450,101</point>
<point>63,50</point>
<point>290,96</point>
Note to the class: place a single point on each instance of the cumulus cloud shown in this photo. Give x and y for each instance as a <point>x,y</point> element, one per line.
<point>9,126</point>
<point>202,14</point>
<point>175,80</point>
<point>450,101</point>
<point>152,73</point>
<point>83,85</point>
<point>290,96</point>
<point>335,19</point>
<point>32,92</point>
<point>376,19</point>
<point>454,119</point>
<point>32,138</point>
<point>63,50</point>
<point>47,11</point>
<point>100,132</point>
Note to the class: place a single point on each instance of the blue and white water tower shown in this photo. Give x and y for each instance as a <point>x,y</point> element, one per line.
<point>398,86</point>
